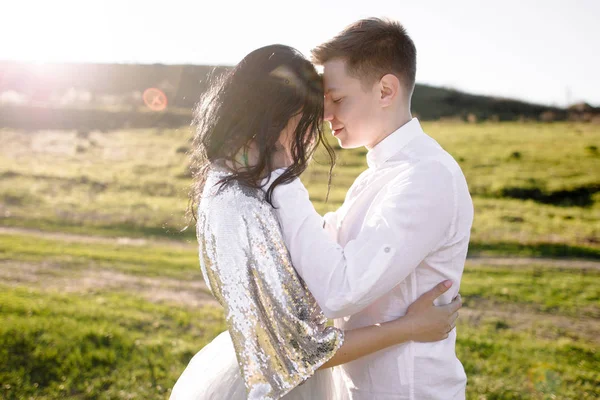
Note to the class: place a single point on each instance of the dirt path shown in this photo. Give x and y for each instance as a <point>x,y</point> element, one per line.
<point>51,276</point>
<point>127,241</point>
<point>546,326</point>
<point>78,238</point>
<point>531,261</point>
<point>194,293</point>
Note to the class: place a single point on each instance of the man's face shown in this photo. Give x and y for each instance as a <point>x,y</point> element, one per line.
<point>352,109</point>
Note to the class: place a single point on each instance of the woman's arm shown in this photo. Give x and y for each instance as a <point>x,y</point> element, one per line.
<point>423,322</point>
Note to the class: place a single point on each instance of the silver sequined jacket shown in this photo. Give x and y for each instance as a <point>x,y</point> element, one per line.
<point>278,330</point>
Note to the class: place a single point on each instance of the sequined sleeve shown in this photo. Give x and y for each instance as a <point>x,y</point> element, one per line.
<point>278,330</point>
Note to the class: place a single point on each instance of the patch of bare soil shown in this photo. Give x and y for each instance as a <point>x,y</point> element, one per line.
<point>51,276</point>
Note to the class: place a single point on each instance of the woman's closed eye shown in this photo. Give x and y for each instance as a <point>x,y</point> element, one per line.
<point>337,100</point>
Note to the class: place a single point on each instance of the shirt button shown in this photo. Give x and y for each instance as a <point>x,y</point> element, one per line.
<point>387,249</point>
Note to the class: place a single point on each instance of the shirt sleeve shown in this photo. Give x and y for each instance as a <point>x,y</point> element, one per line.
<point>277,329</point>
<point>413,218</point>
<point>330,224</point>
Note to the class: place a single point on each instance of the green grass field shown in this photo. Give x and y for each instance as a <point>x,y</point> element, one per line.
<point>545,201</point>
<point>101,294</point>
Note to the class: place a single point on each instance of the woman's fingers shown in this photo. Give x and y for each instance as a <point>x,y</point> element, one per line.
<point>456,304</point>
<point>452,322</point>
<point>436,292</point>
<point>452,326</point>
<point>453,318</point>
<point>453,307</point>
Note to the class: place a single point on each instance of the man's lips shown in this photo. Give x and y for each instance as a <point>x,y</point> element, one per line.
<point>337,131</point>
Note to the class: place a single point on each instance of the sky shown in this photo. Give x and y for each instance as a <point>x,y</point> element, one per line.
<point>546,52</point>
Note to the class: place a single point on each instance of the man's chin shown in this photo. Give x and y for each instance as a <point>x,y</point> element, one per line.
<point>345,143</point>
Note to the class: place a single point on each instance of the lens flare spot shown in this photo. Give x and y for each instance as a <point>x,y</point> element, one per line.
<point>155,99</point>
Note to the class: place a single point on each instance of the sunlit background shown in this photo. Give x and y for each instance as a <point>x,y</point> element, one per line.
<point>543,51</point>
<point>101,295</point>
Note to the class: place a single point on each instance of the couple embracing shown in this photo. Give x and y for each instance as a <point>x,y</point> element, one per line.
<point>385,267</point>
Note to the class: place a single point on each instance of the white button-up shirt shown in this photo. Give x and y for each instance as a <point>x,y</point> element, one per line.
<point>403,228</point>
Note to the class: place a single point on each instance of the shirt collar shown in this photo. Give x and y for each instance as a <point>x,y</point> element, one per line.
<point>393,143</point>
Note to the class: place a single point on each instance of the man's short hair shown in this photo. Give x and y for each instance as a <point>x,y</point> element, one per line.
<point>372,48</point>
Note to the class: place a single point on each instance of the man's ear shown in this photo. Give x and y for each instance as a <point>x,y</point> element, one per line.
<point>390,89</point>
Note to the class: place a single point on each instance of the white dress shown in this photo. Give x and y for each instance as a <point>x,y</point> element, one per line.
<point>214,374</point>
<point>277,335</point>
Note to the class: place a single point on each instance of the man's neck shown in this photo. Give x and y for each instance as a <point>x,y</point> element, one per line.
<point>398,120</point>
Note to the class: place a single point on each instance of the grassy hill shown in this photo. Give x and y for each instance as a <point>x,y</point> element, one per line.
<point>107,96</point>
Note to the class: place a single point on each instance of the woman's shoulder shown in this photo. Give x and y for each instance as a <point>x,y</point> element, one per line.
<point>232,198</point>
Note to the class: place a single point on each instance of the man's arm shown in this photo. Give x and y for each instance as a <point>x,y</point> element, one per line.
<point>330,224</point>
<point>414,217</point>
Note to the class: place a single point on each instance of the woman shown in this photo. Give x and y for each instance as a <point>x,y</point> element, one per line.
<point>257,129</point>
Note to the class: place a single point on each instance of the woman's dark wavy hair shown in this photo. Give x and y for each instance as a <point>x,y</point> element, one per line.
<point>253,102</point>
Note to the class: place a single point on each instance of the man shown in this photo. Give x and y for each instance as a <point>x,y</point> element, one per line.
<point>404,225</point>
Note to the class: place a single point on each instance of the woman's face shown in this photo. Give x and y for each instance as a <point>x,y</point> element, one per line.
<point>286,139</point>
